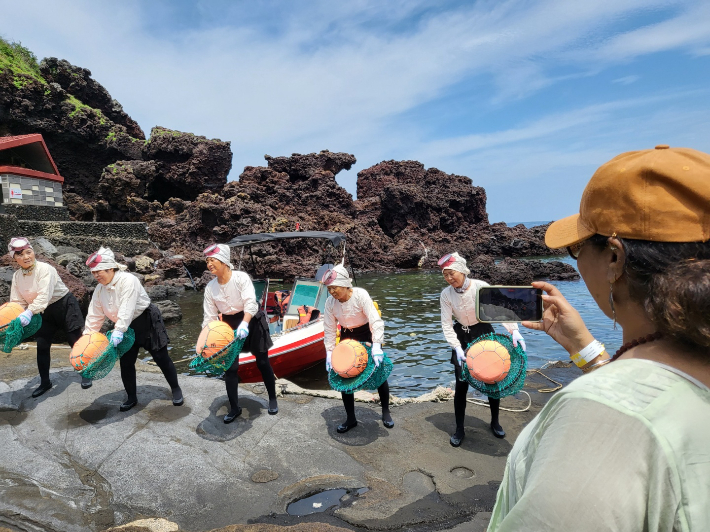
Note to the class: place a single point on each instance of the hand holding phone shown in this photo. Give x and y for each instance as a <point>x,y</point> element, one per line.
<point>508,304</point>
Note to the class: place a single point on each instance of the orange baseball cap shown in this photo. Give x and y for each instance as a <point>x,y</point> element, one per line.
<point>661,195</point>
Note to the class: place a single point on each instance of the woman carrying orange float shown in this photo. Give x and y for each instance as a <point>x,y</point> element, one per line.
<point>359,320</point>
<point>36,286</point>
<point>121,298</point>
<point>232,294</point>
<point>458,300</point>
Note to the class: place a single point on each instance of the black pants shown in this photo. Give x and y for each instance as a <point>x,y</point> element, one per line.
<point>257,343</point>
<point>151,336</point>
<point>64,315</point>
<point>466,337</point>
<point>362,334</point>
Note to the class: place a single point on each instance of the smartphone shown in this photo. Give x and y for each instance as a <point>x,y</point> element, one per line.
<point>508,304</point>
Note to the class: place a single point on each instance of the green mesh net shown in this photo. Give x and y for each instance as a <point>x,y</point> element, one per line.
<point>104,363</point>
<point>14,332</point>
<point>370,379</point>
<point>220,362</point>
<point>515,379</point>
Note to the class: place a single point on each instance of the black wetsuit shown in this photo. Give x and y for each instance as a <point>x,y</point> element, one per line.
<point>64,314</point>
<point>257,343</point>
<point>466,337</point>
<point>362,334</point>
<point>151,336</point>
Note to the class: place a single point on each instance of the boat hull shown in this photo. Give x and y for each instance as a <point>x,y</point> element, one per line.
<point>293,351</point>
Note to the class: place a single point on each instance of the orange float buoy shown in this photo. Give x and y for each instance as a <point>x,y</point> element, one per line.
<point>87,349</point>
<point>214,337</point>
<point>9,312</point>
<point>488,361</point>
<point>349,358</point>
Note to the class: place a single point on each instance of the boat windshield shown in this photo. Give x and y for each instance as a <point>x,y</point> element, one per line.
<point>307,292</point>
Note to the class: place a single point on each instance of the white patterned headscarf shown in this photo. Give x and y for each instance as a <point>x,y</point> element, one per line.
<point>221,252</point>
<point>17,244</point>
<point>454,261</point>
<point>104,259</point>
<point>337,276</point>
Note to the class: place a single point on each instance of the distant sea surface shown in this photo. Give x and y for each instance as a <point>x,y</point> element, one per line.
<point>527,224</point>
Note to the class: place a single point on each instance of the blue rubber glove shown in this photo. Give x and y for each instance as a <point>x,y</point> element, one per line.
<point>518,339</point>
<point>377,354</point>
<point>242,330</point>
<point>25,318</point>
<point>460,355</point>
<point>328,361</point>
<point>116,337</point>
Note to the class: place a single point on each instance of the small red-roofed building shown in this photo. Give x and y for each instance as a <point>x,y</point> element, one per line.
<point>28,175</point>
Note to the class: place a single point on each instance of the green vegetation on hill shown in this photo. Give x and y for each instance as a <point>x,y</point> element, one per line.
<point>21,62</point>
<point>23,65</point>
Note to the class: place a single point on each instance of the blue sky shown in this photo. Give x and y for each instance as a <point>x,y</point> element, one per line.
<point>526,98</point>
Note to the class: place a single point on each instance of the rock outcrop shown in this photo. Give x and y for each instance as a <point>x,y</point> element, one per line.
<point>406,215</point>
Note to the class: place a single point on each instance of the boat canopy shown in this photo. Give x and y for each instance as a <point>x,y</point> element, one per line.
<point>259,238</point>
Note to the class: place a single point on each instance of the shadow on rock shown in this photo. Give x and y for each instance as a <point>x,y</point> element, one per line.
<point>215,429</point>
<point>479,438</point>
<point>22,399</point>
<point>369,426</point>
<point>104,410</point>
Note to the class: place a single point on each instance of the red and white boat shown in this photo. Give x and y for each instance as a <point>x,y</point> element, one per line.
<point>298,338</point>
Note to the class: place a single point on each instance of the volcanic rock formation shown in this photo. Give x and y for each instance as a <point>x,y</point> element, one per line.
<point>406,216</point>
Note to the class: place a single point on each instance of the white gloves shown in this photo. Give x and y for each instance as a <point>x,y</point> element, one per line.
<point>243,330</point>
<point>25,318</point>
<point>377,354</point>
<point>518,339</point>
<point>328,360</point>
<point>116,337</point>
<point>460,355</point>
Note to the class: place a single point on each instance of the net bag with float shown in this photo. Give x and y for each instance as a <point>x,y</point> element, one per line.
<point>217,348</point>
<point>494,366</point>
<point>353,368</point>
<point>94,355</point>
<point>11,330</point>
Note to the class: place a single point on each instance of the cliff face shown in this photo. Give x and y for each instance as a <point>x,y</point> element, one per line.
<point>405,215</point>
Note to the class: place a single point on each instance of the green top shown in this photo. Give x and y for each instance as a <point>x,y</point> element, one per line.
<point>625,448</point>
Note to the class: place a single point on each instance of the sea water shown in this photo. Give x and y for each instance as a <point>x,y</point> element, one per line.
<point>409,302</point>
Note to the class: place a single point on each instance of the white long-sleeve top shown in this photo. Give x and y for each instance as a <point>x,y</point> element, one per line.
<point>463,308</point>
<point>39,289</point>
<point>236,295</point>
<point>356,311</point>
<point>121,301</point>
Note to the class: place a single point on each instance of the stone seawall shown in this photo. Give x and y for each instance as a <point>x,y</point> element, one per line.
<point>124,237</point>
<point>36,212</point>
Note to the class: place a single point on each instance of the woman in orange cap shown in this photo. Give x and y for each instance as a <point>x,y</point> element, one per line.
<point>121,298</point>
<point>232,295</point>
<point>458,301</point>
<point>36,286</point>
<point>354,310</point>
<point>625,447</point>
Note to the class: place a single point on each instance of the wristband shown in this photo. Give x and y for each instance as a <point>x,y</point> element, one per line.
<point>589,353</point>
<point>596,365</point>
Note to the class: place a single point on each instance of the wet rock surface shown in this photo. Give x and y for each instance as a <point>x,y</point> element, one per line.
<point>74,462</point>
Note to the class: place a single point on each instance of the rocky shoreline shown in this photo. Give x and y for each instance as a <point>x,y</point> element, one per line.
<point>405,215</point>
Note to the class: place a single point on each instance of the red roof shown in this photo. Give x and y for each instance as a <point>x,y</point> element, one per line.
<point>40,156</point>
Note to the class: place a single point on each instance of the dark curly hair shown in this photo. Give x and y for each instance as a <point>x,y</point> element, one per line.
<point>672,282</point>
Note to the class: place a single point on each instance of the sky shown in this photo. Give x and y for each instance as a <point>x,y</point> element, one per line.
<point>527,98</point>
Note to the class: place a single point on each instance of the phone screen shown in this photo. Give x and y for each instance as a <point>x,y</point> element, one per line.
<point>509,304</point>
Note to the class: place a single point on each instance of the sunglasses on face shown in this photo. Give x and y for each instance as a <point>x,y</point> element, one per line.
<point>574,249</point>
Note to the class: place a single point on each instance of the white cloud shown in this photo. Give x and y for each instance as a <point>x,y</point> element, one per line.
<point>279,77</point>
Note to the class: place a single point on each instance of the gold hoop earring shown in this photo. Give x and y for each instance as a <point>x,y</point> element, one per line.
<point>611,302</point>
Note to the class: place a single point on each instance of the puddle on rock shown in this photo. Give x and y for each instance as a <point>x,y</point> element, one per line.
<point>319,502</point>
